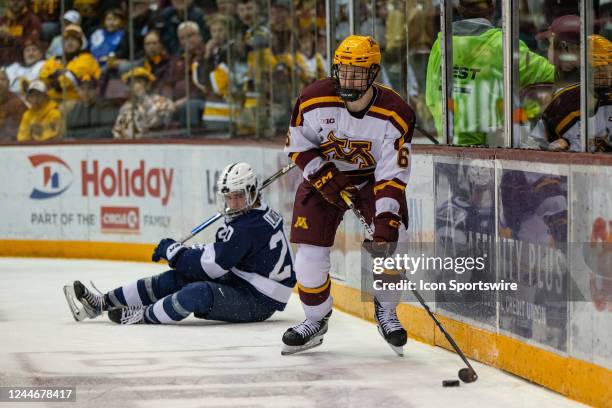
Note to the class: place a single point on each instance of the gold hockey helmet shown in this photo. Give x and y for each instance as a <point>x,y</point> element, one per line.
<point>356,65</point>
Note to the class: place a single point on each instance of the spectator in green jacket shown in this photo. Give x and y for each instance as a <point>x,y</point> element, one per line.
<point>477,98</point>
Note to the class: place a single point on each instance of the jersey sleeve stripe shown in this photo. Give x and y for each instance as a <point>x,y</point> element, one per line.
<point>567,122</point>
<point>301,159</point>
<point>209,265</point>
<point>395,183</point>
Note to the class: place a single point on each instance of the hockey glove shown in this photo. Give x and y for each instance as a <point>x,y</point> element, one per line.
<point>168,249</point>
<point>386,233</point>
<point>329,181</point>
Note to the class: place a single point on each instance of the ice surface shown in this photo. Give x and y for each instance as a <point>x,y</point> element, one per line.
<point>209,364</point>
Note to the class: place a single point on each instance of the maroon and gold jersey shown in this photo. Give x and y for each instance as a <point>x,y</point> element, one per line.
<point>374,144</point>
<point>561,119</point>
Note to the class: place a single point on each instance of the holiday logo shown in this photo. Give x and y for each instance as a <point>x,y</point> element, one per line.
<point>56,176</point>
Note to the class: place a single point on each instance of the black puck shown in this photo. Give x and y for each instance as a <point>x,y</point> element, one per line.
<point>450,383</point>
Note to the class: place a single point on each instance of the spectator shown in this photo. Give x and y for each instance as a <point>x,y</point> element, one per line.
<point>144,112</point>
<point>16,25</point>
<point>211,76</point>
<point>56,48</point>
<point>11,110</point>
<point>23,72</point>
<point>104,42</point>
<point>172,17</point>
<point>289,66</point>
<point>246,10</point>
<point>315,62</point>
<point>43,121</point>
<point>227,8</point>
<point>562,42</point>
<point>48,12</point>
<point>92,12</point>
<point>159,63</point>
<point>142,17</point>
<point>62,79</point>
<point>91,117</point>
<point>478,76</point>
<point>188,109</point>
<point>559,128</point>
<point>281,28</point>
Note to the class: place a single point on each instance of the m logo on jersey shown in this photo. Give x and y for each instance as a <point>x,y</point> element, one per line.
<point>351,151</point>
<point>56,176</point>
<point>301,223</point>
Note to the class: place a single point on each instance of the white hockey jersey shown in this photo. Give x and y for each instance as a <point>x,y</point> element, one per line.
<point>373,145</point>
<point>561,119</point>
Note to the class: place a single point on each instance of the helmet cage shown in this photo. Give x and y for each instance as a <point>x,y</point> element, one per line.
<point>237,178</point>
<point>251,194</point>
<point>362,80</point>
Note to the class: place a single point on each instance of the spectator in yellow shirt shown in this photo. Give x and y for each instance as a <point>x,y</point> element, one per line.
<point>43,121</point>
<point>62,79</point>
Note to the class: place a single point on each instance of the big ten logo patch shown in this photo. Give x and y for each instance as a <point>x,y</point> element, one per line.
<point>350,151</point>
<point>301,222</point>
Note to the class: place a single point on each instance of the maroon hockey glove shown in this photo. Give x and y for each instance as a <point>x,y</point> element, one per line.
<point>330,181</point>
<point>386,233</point>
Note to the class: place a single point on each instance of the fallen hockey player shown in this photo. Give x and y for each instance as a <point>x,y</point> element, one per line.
<point>245,276</point>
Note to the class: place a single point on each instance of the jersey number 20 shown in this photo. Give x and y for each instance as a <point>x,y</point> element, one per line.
<point>279,273</point>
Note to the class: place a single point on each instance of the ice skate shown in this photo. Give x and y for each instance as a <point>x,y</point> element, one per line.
<point>92,305</point>
<point>304,336</point>
<point>127,315</point>
<point>390,328</point>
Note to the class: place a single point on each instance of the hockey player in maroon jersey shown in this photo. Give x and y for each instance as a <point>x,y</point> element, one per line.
<point>559,127</point>
<point>347,134</point>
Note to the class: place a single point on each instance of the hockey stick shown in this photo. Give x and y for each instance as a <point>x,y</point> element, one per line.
<point>467,375</point>
<point>427,134</point>
<point>218,215</point>
<point>351,206</point>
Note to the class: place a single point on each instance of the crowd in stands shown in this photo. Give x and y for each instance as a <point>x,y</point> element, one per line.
<point>161,68</point>
<point>128,69</point>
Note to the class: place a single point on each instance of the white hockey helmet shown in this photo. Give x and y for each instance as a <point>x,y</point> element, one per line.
<point>237,180</point>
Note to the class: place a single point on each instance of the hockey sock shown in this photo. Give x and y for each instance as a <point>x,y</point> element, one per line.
<point>196,297</point>
<point>316,302</point>
<point>144,291</point>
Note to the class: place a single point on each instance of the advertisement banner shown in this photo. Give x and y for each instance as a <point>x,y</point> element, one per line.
<point>591,216</point>
<point>127,193</point>
<point>533,237</point>
<point>465,229</point>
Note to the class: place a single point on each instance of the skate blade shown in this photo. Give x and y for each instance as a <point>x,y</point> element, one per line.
<point>315,342</point>
<point>78,313</point>
<point>397,350</point>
